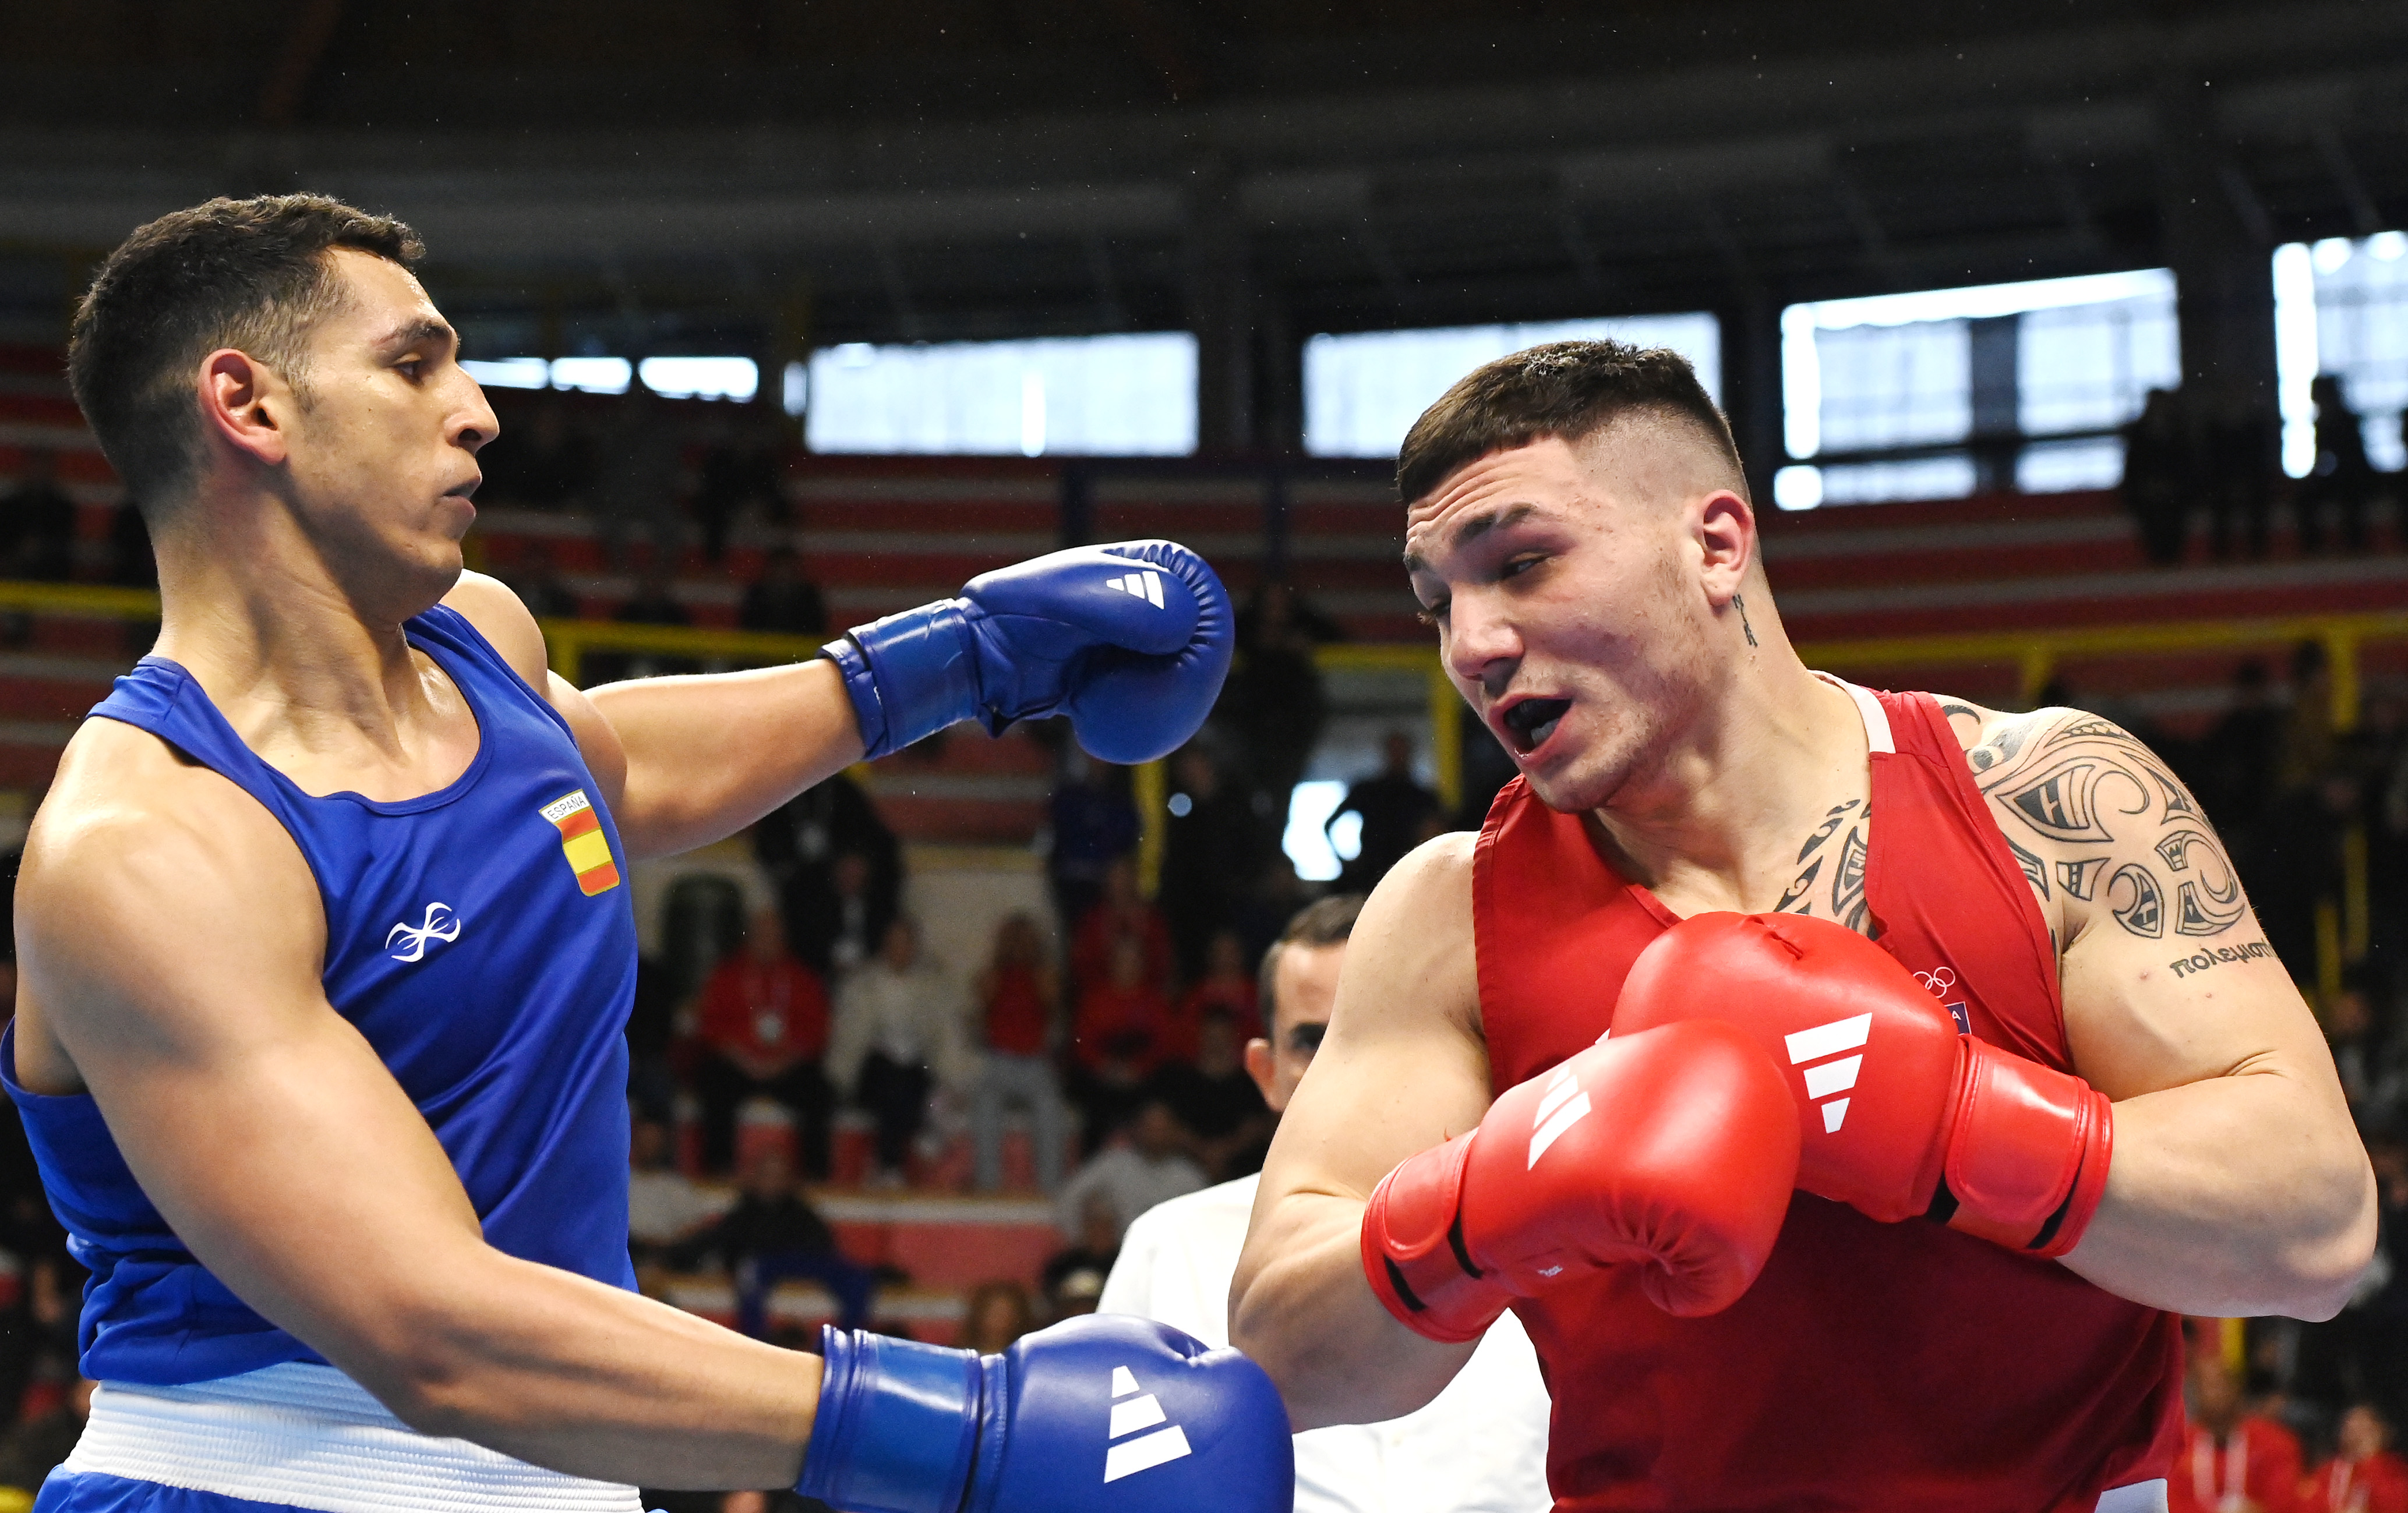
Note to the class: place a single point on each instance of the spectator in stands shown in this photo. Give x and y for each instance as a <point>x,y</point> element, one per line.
<point>1121,911</point>
<point>540,585</point>
<point>2341,479</point>
<point>37,522</point>
<point>782,600</point>
<point>131,564</point>
<point>1210,849</point>
<point>1397,813</point>
<point>2387,831</point>
<point>2230,1458</point>
<point>1074,1277</point>
<point>1093,825</point>
<point>2237,467</point>
<point>2361,1353</point>
<point>2303,752</point>
<point>2363,1476</point>
<point>848,931</point>
<point>1017,991</point>
<point>1275,697</point>
<point>897,1032</point>
<point>1131,1175</point>
<point>2363,1056</point>
<point>834,907</point>
<point>547,465</point>
<point>654,1061</point>
<point>1216,1102</point>
<point>637,478</point>
<point>996,1314</point>
<point>1121,1034</point>
<point>2237,759</point>
<point>665,1208</point>
<point>2156,487</point>
<point>1225,988</point>
<point>2301,864</point>
<point>773,1233</point>
<point>744,469</point>
<point>1265,910</point>
<point>763,1021</point>
<point>35,1448</point>
<point>655,602</point>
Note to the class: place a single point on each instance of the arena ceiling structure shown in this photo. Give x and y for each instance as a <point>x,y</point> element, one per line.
<point>745,176</point>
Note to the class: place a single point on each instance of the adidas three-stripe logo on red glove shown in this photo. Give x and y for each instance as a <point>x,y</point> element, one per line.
<point>1935,1122</point>
<point>1675,1150</point>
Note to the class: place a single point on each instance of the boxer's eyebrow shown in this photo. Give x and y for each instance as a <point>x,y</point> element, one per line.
<point>416,330</point>
<point>1473,529</point>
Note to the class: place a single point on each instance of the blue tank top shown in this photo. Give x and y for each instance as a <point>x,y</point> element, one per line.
<point>478,937</point>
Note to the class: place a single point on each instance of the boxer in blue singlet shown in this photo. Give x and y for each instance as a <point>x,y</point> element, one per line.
<point>325,948</point>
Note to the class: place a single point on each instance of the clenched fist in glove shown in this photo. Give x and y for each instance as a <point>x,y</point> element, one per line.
<point>1104,1414</point>
<point>1899,1113</point>
<point>1130,640</point>
<point>1675,1150</point>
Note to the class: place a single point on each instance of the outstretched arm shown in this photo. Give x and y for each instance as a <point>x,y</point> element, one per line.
<point>1130,641</point>
<point>1401,1070</point>
<point>170,947</point>
<point>683,761</point>
<point>2238,1184</point>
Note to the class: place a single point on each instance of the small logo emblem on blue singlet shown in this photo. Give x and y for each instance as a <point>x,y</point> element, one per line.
<point>441,925</point>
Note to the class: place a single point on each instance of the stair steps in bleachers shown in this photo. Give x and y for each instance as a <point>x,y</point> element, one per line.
<point>883,533</point>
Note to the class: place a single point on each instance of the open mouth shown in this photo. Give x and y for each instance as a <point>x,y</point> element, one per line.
<point>1528,723</point>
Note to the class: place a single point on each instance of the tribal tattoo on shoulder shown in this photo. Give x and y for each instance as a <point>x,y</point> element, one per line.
<point>1831,882</point>
<point>2121,832</point>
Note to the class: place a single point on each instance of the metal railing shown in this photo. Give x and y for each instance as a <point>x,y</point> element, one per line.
<point>2342,926</point>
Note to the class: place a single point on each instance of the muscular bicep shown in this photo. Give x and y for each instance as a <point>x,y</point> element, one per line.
<point>173,955</point>
<point>2166,977</point>
<point>1401,1067</point>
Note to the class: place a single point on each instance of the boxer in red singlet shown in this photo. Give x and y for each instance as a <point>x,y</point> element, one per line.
<point>1579,530</point>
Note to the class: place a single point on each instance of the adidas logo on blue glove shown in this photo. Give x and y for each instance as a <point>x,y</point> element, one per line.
<point>1131,641</point>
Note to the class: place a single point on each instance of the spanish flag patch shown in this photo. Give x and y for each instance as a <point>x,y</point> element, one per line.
<point>582,842</point>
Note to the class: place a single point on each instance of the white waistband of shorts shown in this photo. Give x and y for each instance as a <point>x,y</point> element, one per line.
<point>308,1437</point>
<point>2135,1497</point>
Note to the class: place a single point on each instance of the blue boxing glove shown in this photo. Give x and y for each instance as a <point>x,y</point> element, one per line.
<point>1101,1414</point>
<point>1130,640</point>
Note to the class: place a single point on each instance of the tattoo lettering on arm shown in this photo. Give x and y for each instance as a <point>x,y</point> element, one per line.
<point>2113,828</point>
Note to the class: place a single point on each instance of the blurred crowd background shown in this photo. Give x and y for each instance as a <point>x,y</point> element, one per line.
<point>2067,350</point>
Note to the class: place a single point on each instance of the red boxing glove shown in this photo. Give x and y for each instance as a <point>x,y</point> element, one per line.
<point>1900,1114</point>
<point>1676,1148</point>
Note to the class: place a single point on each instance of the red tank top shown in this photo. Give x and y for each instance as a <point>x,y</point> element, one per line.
<point>1016,1012</point>
<point>1871,1366</point>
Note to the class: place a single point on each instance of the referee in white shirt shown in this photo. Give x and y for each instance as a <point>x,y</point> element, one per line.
<point>1479,1447</point>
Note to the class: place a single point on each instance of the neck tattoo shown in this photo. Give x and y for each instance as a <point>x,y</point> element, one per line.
<point>1741,601</point>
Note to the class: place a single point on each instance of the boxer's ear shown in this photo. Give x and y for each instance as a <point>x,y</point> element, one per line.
<point>1259,1067</point>
<point>1725,534</point>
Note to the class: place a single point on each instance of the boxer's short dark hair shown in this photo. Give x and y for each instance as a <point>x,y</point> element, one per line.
<point>1569,389</point>
<point>251,275</point>
<point>1325,922</point>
